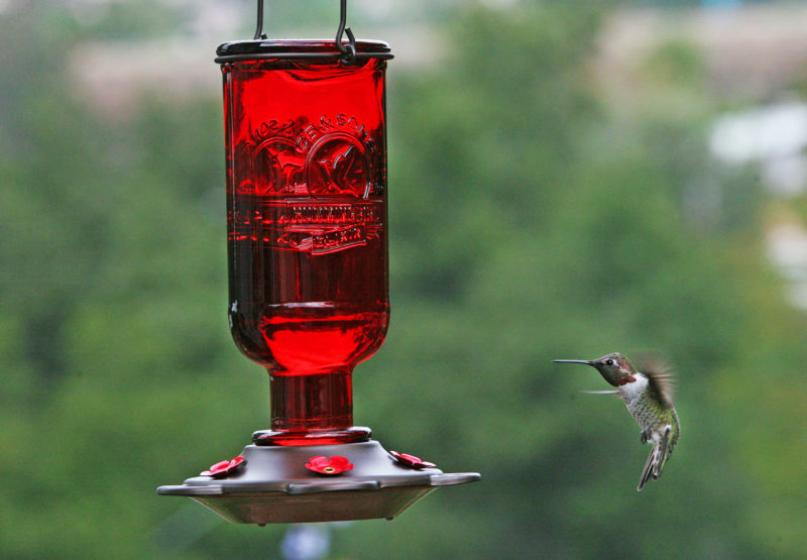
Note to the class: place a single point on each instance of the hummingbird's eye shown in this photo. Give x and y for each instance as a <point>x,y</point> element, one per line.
<point>609,362</point>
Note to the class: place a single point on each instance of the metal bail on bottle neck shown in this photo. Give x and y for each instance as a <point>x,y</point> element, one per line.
<point>350,51</point>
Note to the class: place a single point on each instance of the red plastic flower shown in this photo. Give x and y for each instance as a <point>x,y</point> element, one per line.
<point>223,469</point>
<point>411,461</point>
<point>329,466</point>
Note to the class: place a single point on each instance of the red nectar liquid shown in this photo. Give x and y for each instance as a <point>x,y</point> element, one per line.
<point>307,234</point>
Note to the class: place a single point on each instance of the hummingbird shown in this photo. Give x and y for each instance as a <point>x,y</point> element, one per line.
<point>648,395</point>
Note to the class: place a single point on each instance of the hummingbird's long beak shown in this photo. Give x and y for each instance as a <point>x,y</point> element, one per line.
<point>584,362</point>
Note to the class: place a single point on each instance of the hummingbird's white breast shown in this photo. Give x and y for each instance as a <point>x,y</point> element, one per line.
<point>636,400</point>
<point>630,392</point>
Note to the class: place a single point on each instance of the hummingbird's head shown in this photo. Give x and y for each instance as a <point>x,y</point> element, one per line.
<point>614,368</point>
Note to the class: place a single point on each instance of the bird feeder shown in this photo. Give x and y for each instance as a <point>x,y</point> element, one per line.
<point>305,131</point>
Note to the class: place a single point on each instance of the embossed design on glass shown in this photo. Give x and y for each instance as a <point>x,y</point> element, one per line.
<point>306,184</point>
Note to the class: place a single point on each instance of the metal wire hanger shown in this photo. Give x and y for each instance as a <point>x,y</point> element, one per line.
<point>348,49</point>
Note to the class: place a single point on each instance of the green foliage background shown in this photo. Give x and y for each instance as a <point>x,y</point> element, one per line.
<point>529,221</point>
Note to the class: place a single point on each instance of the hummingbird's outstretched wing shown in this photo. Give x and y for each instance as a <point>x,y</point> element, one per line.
<point>660,379</point>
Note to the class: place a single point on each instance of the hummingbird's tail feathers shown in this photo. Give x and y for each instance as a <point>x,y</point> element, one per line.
<point>649,468</point>
<point>657,458</point>
<point>664,452</point>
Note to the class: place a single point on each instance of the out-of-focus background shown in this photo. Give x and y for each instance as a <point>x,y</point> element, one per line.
<point>566,179</point>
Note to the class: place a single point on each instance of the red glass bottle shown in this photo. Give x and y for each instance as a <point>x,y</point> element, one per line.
<point>307,218</point>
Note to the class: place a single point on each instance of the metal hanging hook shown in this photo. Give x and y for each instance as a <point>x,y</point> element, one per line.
<point>259,34</point>
<point>344,51</point>
<point>348,50</point>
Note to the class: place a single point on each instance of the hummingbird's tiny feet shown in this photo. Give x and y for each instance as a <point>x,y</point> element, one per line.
<point>644,436</point>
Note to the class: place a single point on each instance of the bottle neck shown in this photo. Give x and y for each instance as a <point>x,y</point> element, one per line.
<point>312,410</point>
<point>312,402</point>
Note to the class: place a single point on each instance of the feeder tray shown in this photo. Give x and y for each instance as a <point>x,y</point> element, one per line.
<point>275,487</point>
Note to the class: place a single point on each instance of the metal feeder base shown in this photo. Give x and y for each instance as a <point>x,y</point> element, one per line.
<point>275,487</point>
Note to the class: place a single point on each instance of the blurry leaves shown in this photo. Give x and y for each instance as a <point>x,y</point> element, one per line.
<point>676,64</point>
